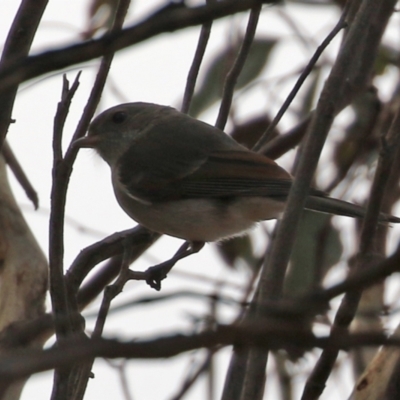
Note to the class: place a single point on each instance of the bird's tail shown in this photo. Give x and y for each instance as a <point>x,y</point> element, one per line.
<point>340,207</point>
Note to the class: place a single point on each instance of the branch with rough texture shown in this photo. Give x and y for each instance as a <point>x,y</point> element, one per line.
<point>23,277</point>
<point>380,379</point>
<point>24,267</point>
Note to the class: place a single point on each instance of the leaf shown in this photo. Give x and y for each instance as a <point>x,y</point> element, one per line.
<point>360,144</point>
<point>236,249</point>
<point>248,133</point>
<point>211,88</point>
<point>317,248</point>
<point>311,93</point>
<point>101,14</point>
<point>387,56</point>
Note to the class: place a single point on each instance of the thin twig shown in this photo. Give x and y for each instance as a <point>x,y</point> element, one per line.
<point>20,175</point>
<point>58,292</point>
<point>375,269</point>
<point>63,318</point>
<point>280,145</point>
<point>195,67</point>
<point>111,246</point>
<point>303,76</point>
<point>233,74</point>
<point>189,294</point>
<point>194,376</point>
<point>112,291</point>
<point>122,373</point>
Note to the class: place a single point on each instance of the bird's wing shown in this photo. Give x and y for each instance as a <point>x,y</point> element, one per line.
<point>192,173</point>
<point>235,173</point>
<point>147,169</point>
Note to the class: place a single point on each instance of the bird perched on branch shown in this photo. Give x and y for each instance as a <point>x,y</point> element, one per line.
<point>182,177</point>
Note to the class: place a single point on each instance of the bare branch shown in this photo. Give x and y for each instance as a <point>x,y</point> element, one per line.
<point>273,336</point>
<point>233,74</point>
<point>303,76</point>
<point>24,272</point>
<point>20,175</point>
<point>349,304</point>
<point>16,48</point>
<point>168,19</point>
<point>335,92</point>
<point>195,67</point>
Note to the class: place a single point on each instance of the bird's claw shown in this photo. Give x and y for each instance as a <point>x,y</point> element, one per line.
<point>158,273</point>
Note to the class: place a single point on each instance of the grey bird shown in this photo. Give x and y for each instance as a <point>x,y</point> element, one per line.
<point>182,177</point>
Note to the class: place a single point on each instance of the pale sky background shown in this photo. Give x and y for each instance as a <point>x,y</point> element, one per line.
<point>154,71</point>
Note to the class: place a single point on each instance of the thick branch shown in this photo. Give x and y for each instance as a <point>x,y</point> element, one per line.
<point>272,336</point>
<point>168,19</point>
<point>16,48</point>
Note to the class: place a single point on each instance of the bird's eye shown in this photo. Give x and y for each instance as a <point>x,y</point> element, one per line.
<point>119,117</point>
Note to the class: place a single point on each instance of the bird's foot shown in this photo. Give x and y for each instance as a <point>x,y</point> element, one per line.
<point>159,272</point>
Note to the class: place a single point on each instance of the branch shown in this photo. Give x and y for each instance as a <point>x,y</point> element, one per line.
<point>303,76</point>
<point>349,304</point>
<point>376,271</point>
<point>195,67</point>
<point>24,272</point>
<point>58,291</point>
<point>273,336</point>
<point>167,19</point>
<point>347,77</point>
<point>20,175</point>
<point>71,383</point>
<point>233,74</point>
<point>16,49</point>
<point>106,248</point>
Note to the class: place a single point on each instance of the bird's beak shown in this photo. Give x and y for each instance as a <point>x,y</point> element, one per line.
<point>87,142</point>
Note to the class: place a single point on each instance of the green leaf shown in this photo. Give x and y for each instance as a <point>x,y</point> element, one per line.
<point>211,88</point>
<point>236,249</point>
<point>317,248</point>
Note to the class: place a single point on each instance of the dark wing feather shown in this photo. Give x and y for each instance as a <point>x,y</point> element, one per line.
<point>235,173</point>
<point>170,162</point>
<point>194,174</point>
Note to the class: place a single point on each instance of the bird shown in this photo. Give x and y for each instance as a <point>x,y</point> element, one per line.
<point>179,176</point>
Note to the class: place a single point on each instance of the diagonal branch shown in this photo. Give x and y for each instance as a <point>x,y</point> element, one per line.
<point>233,74</point>
<point>273,336</point>
<point>16,49</point>
<point>167,19</point>
<point>195,67</point>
